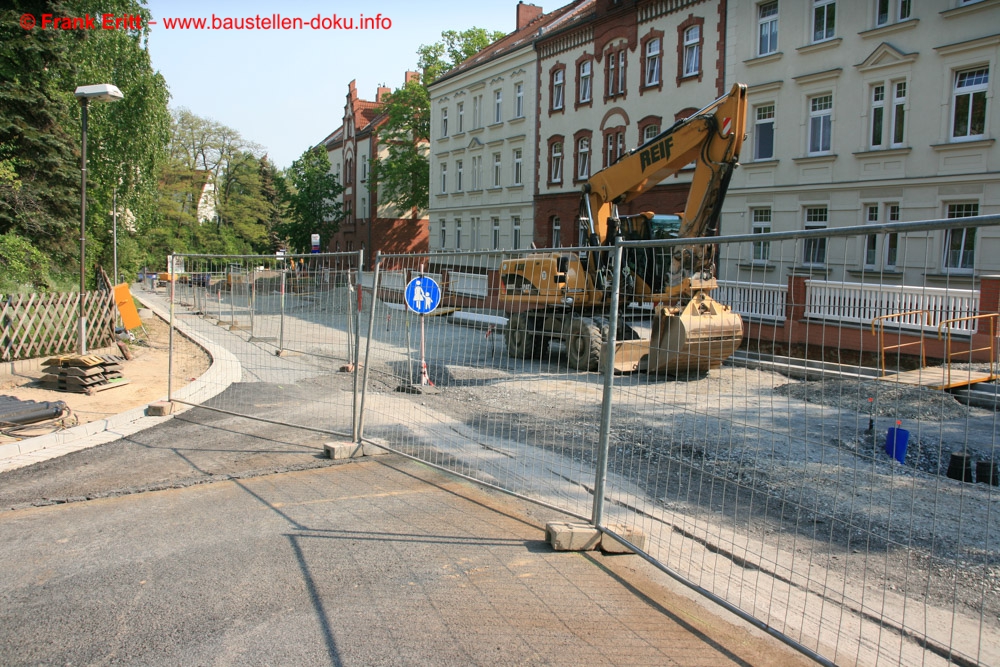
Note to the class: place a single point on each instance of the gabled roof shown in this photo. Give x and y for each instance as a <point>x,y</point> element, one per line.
<point>517,39</point>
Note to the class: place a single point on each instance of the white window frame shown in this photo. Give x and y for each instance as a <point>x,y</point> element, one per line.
<point>760,223</point>
<point>609,154</point>
<point>692,51</point>
<point>474,232</point>
<point>763,117</point>
<point>556,232</point>
<point>876,133</point>
<point>444,122</point>
<point>458,233</point>
<point>586,71</point>
<point>558,85</point>
<point>870,259</point>
<point>654,57</point>
<point>518,162</point>
<point>621,72</point>
<point>458,175</point>
<point>978,90</point>
<point>612,65</point>
<point>497,106</point>
<point>814,250</point>
<point>824,20</point>
<point>650,132</point>
<point>496,232</point>
<point>477,112</point>
<point>884,14</point>
<point>897,121</point>
<point>556,163</point>
<point>443,234</point>
<point>820,124</point>
<point>515,224</point>
<point>583,158</point>
<point>460,113</point>
<point>767,28</point>
<point>444,178</point>
<point>965,263</point>
<point>477,172</point>
<point>890,252</point>
<point>497,169</point>
<point>518,100</point>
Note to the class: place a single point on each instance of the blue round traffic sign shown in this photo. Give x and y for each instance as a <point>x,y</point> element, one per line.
<point>423,295</point>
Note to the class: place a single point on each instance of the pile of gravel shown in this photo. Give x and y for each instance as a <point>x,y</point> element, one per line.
<point>878,399</point>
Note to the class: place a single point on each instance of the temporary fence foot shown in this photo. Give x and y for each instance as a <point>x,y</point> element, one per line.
<point>159,409</point>
<point>566,536</point>
<point>418,389</point>
<point>351,450</point>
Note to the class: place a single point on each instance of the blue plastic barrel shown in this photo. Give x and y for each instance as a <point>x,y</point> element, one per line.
<point>895,443</point>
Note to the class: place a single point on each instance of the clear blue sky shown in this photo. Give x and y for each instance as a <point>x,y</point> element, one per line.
<point>284,89</point>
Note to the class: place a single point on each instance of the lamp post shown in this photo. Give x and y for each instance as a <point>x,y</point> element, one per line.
<point>102,92</point>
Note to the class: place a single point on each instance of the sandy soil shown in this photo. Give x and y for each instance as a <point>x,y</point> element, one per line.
<point>146,373</point>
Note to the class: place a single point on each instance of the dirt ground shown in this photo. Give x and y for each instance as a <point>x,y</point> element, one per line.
<point>146,374</point>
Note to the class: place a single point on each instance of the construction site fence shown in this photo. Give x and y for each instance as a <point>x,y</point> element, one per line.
<point>819,483</point>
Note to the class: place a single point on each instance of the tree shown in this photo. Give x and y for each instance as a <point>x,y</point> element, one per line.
<point>312,195</point>
<point>403,176</point>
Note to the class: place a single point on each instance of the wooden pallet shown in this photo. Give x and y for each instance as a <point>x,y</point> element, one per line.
<point>938,377</point>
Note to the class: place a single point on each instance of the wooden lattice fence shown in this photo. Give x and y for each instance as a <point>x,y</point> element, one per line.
<point>40,325</point>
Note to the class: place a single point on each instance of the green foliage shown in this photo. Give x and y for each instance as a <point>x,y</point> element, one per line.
<point>312,194</point>
<point>403,176</point>
<point>40,129</point>
<point>22,267</point>
<point>454,48</point>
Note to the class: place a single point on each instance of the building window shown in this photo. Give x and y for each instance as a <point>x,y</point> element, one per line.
<point>878,114</point>
<point>496,233</point>
<point>892,240</point>
<point>558,83</point>
<point>556,232</point>
<point>616,72</point>
<point>517,166</point>
<point>609,150</point>
<point>969,103</point>
<point>497,168</point>
<point>498,106</point>
<point>649,132</point>
<point>444,178</point>
<point>824,19</point>
<point>820,123</point>
<point>460,112</point>
<point>586,75</point>
<point>477,172</point>
<point>884,13</point>
<point>898,112</point>
<point>654,58</point>
<point>444,122</point>
<point>767,28</point>
<point>692,51</point>
<point>442,234</point>
<point>763,132</point>
<point>893,121</point>
<point>556,163</point>
<point>583,159</point>
<point>814,250</point>
<point>458,175</point>
<point>516,225</point>
<point>477,112</point>
<point>960,244</point>
<point>871,241</point>
<point>519,100</point>
<point>458,234</point>
<point>761,224</point>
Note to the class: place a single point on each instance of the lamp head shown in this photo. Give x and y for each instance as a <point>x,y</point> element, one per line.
<point>100,92</point>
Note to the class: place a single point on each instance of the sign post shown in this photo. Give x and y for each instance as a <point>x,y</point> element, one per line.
<point>315,243</point>
<point>423,296</point>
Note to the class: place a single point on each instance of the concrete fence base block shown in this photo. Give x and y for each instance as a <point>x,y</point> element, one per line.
<point>565,536</point>
<point>610,545</point>
<point>159,409</point>
<point>286,353</point>
<point>343,450</point>
<point>374,450</point>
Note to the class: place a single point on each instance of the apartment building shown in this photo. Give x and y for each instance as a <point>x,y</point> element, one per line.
<point>609,79</point>
<point>866,112</point>
<point>369,224</point>
<point>483,141</point>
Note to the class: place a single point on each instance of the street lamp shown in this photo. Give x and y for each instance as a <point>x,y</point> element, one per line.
<point>101,92</point>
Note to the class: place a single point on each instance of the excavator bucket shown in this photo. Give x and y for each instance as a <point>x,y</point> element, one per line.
<point>696,340</point>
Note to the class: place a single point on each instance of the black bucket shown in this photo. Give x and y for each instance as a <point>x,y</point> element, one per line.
<point>960,467</point>
<point>988,472</point>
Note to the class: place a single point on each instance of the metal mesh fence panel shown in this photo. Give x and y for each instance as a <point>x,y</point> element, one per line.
<point>823,479</point>
<point>288,326</point>
<point>476,390</point>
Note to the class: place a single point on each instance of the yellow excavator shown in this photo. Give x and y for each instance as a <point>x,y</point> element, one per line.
<point>674,326</point>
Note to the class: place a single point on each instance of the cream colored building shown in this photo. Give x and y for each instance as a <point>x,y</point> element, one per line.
<point>861,112</point>
<point>483,142</point>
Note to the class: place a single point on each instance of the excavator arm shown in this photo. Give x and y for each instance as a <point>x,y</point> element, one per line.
<point>710,138</point>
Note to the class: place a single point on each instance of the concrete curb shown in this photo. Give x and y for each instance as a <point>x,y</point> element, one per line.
<point>224,370</point>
